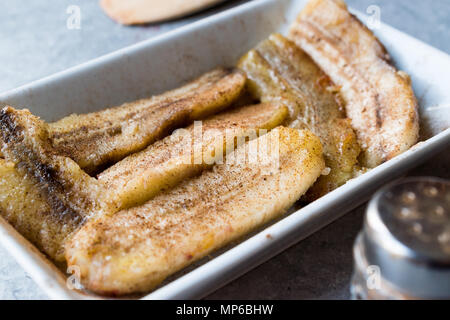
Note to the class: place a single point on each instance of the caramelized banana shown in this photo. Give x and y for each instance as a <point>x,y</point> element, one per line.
<point>186,153</point>
<point>279,71</point>
<point>102,138</point>
<point>22,205</point>
<point>47,196</point>
<point>43,197</point>
<point>380,100</point>
<point>42,151</point>
<point>135,249</point>
<point>68,190</point>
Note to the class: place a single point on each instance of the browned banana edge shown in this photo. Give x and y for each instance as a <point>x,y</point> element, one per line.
<point>69,191</point>
<point>134,250</point>
<point>379,99</point>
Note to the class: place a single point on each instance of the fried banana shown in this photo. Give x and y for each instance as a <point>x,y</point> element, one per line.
<point>278,71</point>
<point>186,153</point>
<point>134,250</point>
<point>22,205</point>
<point>379,99</point>
<point>67,188</point>
<point>47,196</point>
<point>41,151</point>
<point>99,139</point>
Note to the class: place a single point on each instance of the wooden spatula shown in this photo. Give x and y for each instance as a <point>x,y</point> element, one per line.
<point>149,11</point>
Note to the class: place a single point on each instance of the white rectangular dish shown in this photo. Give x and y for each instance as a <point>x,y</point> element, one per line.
<point>169,60</point>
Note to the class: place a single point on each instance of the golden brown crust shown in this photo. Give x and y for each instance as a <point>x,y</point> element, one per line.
<point>379,99</point>
<point>279,71</point>
<point>46,194</point>
<point>65,195</point>
<point>144,11</point>
<point>134,250</point>
<point>102,138</point>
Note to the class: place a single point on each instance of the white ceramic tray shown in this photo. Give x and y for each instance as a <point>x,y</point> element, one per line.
<point>169,60</point>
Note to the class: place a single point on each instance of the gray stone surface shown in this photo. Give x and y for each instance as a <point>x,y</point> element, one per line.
<point>34,42</point>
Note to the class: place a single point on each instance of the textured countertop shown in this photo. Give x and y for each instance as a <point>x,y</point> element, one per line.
<point>35,42</point>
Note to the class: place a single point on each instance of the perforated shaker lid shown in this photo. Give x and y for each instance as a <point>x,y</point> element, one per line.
<point>407,234</point>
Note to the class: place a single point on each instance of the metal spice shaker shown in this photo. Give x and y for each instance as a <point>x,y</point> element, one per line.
<point>403,251</point>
